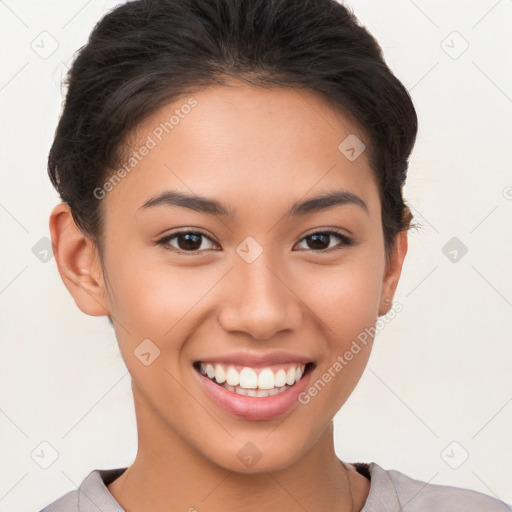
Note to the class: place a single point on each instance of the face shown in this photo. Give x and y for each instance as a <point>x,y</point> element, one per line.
<point>251,280</point>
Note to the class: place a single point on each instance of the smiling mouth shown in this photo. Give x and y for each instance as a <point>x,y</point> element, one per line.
<point>254,382</point>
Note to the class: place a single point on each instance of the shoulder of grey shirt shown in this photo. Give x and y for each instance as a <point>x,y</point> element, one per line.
<point>419,496</point>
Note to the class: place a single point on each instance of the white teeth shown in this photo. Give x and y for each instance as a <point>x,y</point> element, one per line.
<point>232,377</point>
<point>241,391</point>
<point>266,379</point>
<point>249,383</point>
<point>210,371</point>
<point>280,378</point>
<point>248,378</point>
<point>290,377</point>
<point>220,374</point>
<point>260,393</point>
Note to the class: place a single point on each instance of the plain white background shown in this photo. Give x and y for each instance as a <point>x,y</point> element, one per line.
<point>436,399</point>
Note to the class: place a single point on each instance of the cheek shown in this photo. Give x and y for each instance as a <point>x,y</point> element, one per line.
<point>345,302</point>
<point>346,296</point>
<point>153,298</point>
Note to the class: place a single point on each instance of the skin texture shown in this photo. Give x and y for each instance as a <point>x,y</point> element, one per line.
<point>258,151</point>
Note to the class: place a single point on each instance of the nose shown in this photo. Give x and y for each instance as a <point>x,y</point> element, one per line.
<point>258,301</point>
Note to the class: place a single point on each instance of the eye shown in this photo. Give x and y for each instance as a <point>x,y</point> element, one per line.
<point>186,241</point>
<point>321,240</point>
<point>192,241</point>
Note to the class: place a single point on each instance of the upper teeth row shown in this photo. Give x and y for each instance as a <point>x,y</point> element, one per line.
<point>249,379</point>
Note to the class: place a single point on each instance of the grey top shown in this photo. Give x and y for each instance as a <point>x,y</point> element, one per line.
<point>390,491</point>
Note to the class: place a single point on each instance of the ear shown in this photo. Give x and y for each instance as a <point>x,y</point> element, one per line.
<point>78,262</point>
<point>392,272</point>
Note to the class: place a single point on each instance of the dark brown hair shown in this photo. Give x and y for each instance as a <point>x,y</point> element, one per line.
<point>143,54</point>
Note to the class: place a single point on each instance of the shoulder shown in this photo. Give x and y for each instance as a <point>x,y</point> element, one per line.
<point>91,496</point>
<point>402,493</point>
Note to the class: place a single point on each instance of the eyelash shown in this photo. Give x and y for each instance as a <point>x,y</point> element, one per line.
<point>346,241</point>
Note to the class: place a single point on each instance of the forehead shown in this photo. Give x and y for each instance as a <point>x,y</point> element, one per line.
<point>242,143</point>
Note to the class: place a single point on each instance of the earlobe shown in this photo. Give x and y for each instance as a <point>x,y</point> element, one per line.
<point>78,263</point>
<point>393,271</point>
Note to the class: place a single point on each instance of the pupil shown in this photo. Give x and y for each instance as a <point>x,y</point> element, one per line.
<point>319,236</point>
<point>193,241</point>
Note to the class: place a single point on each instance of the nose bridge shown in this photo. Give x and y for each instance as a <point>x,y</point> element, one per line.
<point>258,302</point>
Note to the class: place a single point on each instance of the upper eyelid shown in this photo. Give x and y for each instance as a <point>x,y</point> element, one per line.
<point>336,231</point>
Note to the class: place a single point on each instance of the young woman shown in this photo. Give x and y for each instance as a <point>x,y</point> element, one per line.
<point>231,176</point>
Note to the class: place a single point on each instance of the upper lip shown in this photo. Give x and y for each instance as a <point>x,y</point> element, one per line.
<point>255,359</point>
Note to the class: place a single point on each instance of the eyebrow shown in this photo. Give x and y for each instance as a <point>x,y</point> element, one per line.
<point>200,204</point>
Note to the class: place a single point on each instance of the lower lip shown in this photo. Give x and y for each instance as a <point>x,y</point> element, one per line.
<point>254,408</point>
